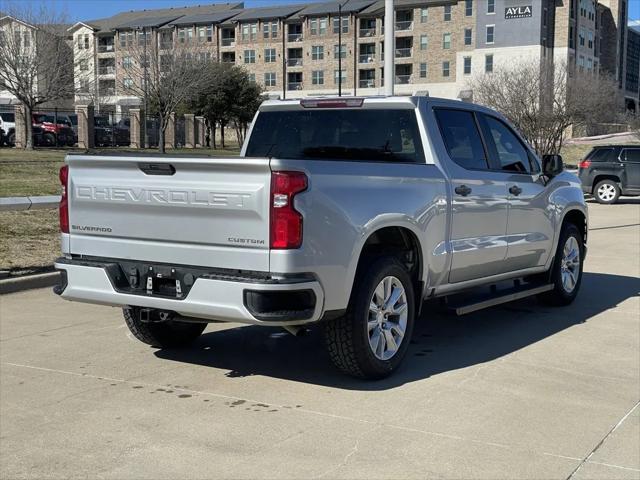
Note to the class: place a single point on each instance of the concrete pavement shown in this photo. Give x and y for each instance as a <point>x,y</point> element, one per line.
<point>520,391</point>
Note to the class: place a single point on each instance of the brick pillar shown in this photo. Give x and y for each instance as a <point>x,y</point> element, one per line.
<point>199,131</point>
<point>170,132</point>
<point>86,137</point>
<point>21,128</point>
<point>189,130</point>
<point>136,116</point>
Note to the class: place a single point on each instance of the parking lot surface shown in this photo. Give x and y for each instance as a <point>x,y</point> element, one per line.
<point>519,391</point>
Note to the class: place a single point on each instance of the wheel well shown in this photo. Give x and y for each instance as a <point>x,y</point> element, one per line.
<point>579,220</point>
<point>399,242</point>
<point>599,178</point>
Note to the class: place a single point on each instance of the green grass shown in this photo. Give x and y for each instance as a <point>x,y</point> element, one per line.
<point>24,173</point>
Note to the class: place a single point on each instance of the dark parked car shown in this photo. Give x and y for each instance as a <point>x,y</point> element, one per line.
<point>609,171</point>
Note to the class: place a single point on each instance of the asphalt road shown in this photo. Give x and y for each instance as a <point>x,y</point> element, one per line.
<point>521,391</point>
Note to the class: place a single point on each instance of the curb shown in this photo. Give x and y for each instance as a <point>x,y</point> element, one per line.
<point>29,282</point>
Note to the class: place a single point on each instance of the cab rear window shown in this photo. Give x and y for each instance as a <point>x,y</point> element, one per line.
<point>348,135</point>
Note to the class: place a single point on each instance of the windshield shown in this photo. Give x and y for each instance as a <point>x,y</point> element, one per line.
<point>42,117</point>
<point>356,135</point>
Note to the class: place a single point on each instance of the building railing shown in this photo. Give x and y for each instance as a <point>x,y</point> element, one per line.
<point>403,79</point>
<point>294,37</point>
<point>367,32</point>
<point>294,62</point>
<point>294,86</point>
<point>403,52</point>
<point>106,48</point>
<point>366,58</point>
<point>228,42</point>
<point>108,70</point>
<point>404,25</point>
<point>370,83</point>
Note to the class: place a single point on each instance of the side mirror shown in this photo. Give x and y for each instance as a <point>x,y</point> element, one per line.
<point>552,165</point>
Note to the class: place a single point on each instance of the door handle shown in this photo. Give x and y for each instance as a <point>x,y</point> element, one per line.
<point>462,190</point>
<point>515,190</point>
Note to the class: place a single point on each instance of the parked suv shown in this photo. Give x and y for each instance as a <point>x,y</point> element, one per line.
<point>8,125</point>
<point>610,171</point>
<point>55,133</point>
<point>341,212</point>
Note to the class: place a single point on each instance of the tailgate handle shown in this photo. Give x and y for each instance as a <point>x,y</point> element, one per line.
<point>157,168</point>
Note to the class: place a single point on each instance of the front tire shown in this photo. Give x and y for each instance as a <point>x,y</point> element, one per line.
<point>566,272</point>
<point>371,339</point>
<point>162,334</point>
<point>606,192</point>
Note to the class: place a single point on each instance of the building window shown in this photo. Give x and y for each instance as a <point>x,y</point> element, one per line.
<point>126,62</point>
<point>445,69</point>
<point>265,30</point>
<point>84,65</point>
<point>269,55</point>
<point>249,56</point>
<point>590,44</point>
<point>423,70</point>
<point>313,26</point>
<point>322,26</point>
<point>446,41</point>
<point>245,31</point>
<point>571,40</point>
<point>317,77</point>
<point>424,15</point>
<point>468,36</point>
<point>488,63</point>
<point>342,49</point>
<point>423,42</point>
<point>447,13</point>
<point>317,52</point>
<point>490,33</point>
<point>123,40</point>
<point>581,37</point>
<point>468,8</point>
<point>336,25</point>
<point>128,83</point>
<point>338,74</point>
<point>86,40</point>
<point>467,65</point>
<point>254,31</point>
<point>204,56</point>
<point>252,77</point>
<point>274,29</point>
<point>270,79</point>
<point>491,6</point>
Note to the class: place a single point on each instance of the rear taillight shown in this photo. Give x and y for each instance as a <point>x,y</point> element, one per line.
<point>64,203</point>
<point>286,222</point>
<point>584,164</point>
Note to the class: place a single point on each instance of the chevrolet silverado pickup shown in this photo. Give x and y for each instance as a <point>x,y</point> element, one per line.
<point>348,213</point>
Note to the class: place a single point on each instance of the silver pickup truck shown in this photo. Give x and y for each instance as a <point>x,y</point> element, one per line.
<point>343,212</point>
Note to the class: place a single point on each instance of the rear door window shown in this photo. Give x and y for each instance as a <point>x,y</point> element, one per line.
<point>348,135</point>
<point>600,154</point>
<point>632,155</point>
<point>462,138</point>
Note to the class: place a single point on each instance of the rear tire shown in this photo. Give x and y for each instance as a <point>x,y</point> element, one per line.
<point>162,334</point>
<point>371,339</point>
<point>607,192</point>
<point>566,272</point>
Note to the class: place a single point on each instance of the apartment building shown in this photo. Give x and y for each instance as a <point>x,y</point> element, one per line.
<point>632,68</point>
<point>319,48</point>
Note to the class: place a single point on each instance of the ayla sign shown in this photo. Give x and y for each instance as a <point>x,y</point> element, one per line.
<point>518,12</point>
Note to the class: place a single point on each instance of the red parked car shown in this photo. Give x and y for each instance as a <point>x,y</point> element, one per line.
<point>53,133</point>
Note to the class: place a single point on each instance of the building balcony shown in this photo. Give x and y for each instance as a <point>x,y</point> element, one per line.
<point>294,37</point>
<point>168,45</point>
<point>106,48</point>
<point>367,32</point>
<point>403,79</point>
<point>228,42</point>
<point>367,58</point>
<point>370,83</point>
<point>108,70</point>
<point>111,91</point>
<point>403,52</point>
<point>404,25</point>
<point>294,86</point>
<point>294,62</point>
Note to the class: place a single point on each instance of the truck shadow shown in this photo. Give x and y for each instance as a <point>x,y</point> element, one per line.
<point>441,342</point>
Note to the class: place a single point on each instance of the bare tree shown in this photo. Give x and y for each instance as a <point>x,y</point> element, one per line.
<point>163,72</point>
<point>545,100</point>
<point>36,59</point>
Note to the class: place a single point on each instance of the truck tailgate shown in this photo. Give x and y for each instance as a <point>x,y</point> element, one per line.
<point>184,211</point>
